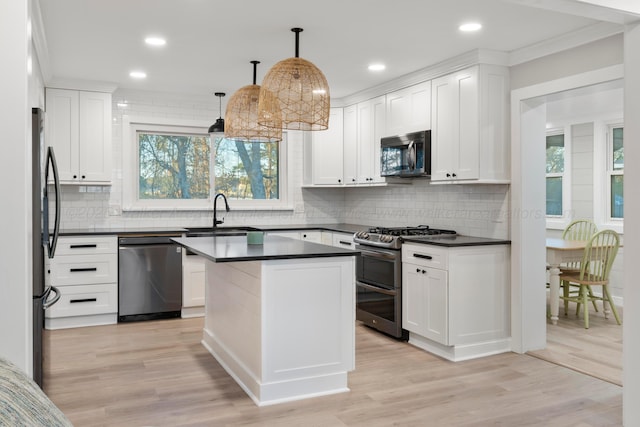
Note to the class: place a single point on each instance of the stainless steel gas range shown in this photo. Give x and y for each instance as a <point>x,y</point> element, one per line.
<point>379,275</point>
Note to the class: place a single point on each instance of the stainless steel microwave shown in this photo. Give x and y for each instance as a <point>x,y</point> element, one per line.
<point>406,155</point>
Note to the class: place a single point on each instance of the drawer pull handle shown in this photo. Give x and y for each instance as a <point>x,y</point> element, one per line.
<point>423,256</point>
<point>82,246</point>
<point>342,242</point>
<point>74,301</point>
<point>78,270</point>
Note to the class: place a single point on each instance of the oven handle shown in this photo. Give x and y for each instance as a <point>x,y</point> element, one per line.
<point>378,254</point>
<point>377,289</point>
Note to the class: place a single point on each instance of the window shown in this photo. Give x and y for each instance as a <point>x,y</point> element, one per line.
<point>247,170</point>
<point>177,165</point>
<point>615,172</point>
<point>173,166</point>
<point>555,174</point>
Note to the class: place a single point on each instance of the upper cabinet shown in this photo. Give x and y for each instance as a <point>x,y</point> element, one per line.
<point>78,126</point>
<point>364,124</point>
<point>408,110</point>
<point>470,126</point>
<point>326,152</point>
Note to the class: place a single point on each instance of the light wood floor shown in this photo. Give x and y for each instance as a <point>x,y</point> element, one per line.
<point>158,374</point>
<point>596,351</point>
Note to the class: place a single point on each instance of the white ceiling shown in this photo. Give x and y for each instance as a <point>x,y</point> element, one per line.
<point>210,43</point>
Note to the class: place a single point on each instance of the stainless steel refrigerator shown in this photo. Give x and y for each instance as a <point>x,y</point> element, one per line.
<point>44,239</point>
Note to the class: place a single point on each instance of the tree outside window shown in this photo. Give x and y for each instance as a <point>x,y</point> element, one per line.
<point>173,166</point>
<point>247,170</point>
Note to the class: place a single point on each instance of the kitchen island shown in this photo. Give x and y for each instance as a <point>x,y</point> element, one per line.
<point>280,316</point>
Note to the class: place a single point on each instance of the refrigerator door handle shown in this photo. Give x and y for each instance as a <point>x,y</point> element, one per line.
<point>46,303</point>
<point>51,244</point>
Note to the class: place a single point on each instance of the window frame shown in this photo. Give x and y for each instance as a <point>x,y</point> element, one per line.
<point>559,222</point>
<point>603,171</point>
<point>130,169</point>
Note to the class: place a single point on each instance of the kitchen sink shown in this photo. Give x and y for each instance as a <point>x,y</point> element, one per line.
<point>218,231</point>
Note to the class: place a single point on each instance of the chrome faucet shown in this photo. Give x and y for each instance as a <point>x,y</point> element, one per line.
<point>217,221</point>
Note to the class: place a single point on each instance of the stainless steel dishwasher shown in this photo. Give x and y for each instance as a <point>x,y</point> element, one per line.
<point>149,278</point>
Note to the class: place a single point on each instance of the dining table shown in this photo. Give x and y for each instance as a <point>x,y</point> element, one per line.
<point>560,251</point>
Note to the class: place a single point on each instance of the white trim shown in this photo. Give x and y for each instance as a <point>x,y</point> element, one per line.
<point>40,41</point>
<point>529,324</point>
<point>77,84</point>
<point>563,42</point>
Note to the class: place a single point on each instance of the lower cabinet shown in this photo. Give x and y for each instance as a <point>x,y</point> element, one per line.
<point>455,301</point>
<point>343,240</point>
<point>85,271</point>
<point>193,285</point>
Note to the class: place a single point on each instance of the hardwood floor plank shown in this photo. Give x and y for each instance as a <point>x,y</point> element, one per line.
<point>157,373</point>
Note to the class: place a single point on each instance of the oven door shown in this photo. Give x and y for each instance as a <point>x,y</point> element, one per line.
<point>379,308</point>
<point>379,267</point>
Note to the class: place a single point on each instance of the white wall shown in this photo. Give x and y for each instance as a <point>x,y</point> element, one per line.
<point>15,187</point>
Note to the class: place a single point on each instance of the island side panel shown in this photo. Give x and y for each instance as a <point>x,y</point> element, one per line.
<point>283,329</point>
<point>232,331</point>
<point>308,327</point>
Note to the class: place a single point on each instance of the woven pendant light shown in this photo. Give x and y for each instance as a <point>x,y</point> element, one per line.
<point>299,89</point>
<point>241,117</point>
<point>218,126</point>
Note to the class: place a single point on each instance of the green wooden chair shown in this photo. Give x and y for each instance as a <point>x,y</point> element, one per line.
<point>595,267</point>
<point>580,229</point>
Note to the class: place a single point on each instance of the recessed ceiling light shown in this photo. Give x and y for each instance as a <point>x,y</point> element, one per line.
<point>138,74</point>
<point>155,41</point>
<point>377,67</point>
<point>470,27</point>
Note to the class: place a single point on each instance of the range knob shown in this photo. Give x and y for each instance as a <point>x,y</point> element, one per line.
<point>386,238</point>
<point>362,235</point>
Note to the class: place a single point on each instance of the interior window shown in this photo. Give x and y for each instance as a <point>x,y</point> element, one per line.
<point>555,174</point>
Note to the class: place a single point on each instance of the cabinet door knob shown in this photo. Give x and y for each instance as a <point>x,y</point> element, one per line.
<point>454,175</point>
<point>424,272</point>
<point>448,175</point>
<point>75,176</point>
<point>417,270</point>
<point>339,181</point>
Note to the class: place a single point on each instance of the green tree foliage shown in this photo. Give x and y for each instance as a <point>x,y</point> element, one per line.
<point>173,166</point>
<point>246,170</point>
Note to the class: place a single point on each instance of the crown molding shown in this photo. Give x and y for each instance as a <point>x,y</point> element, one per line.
<point>448,66</point>
<point>40,41</point>
<point>77,84</point>
<point>566,41</point>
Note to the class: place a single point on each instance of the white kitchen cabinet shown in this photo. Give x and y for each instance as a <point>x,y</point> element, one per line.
<point>85,271</point>
<point>371,127</point>
<point>350,148</point>
<point>408,110</point>
<point>469,131</point>
<point>308,235</point>
<point>193,285</point>
<point>78,126</point>
<point>343,240</point>
<point>327,151</point>
<point>455,301</point>
<point>364,124</point>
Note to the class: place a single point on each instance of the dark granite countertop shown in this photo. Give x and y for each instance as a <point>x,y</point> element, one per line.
<point>124,231</point>
<point>456,241</point>
<point>235,248</point>
<point>344,228</point>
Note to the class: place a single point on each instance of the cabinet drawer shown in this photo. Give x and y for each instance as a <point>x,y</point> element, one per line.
<point>83,270</point>
<point>343,240</point>
<point>87,245</point>
<point>426,255</point>
<point>85,300</point>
